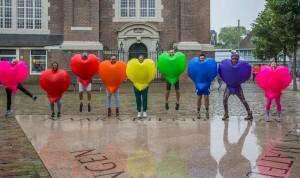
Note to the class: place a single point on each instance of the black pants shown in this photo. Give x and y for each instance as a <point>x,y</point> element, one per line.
<point>9,95</point>
<point>240,95</point>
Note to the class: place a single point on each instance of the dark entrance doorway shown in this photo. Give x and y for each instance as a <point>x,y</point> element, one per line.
<point>137,49</point>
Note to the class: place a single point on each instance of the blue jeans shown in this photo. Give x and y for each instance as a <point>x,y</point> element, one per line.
<point>116,96</point>
<point>58,106</point>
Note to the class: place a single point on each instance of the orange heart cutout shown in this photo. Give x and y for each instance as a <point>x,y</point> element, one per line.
<point>112,75</point>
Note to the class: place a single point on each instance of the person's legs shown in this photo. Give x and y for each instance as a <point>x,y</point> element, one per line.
<point>225,103</point>
<point>268,107</point>
<point>177,89</point>
<point>241,96</point>
<point>138,99</point>
<point>26,92</point>
<point>145,100</point>
<point>117,101</point>
<point>168,90</point>
<point>206,103</point>
<point>8,99</point>
<point>89,93</point>
<point>108,103</point>
<point>52,110</point>
<point>80,88</point>
<point>59,105</point>
<point>278,107</point>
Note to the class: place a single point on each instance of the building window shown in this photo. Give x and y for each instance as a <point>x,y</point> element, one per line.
<point>147,8</point>
<point>138,10</point>
<point>38,61</point>
<point>29,14</point>
<point>24,16</point>
<point>5,13</point>
<point>7,54</point>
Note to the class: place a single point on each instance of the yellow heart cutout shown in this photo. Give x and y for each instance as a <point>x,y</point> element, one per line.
<point>140,74</point>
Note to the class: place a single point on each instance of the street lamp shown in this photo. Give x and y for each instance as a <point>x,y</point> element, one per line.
<point>121,46</point>
<point>157,46</point>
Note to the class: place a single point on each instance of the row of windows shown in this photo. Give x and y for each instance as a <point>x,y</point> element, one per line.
<point>38,59</point>
<point>28,13</point>
<point>128,8</point>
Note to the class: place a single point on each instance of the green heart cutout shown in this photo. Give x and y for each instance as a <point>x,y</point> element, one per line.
<point>171,67</point>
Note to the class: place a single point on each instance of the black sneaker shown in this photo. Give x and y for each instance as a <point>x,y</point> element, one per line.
<point>58,115</point>
<point>225,117</point>
<point>80,107</point>
<point>89,107</point>
<point>52,115</point>
<point>117,112</point>
<point>108,112</point>
<point>34,98</point>
<point>167,106</point>
<point>249,117</point>
<point>177,107</point>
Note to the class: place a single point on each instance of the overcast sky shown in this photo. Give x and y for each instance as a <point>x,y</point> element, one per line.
<point>227,12</point>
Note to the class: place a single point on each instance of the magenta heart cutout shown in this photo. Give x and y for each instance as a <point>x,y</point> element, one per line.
<point>13,74</point>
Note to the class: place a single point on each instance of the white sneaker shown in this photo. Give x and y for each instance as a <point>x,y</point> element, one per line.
<point>9,114</point>
<point>144,114</point>
<point>139,114</point>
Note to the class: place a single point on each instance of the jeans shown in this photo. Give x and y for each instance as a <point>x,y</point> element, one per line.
<point>116,96</point>
<point>141,98</point>
<point>58,106</point>
<point>240,95</point>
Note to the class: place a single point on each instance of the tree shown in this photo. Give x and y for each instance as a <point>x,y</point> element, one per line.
<point>231,36</point>
<point>277,29</point>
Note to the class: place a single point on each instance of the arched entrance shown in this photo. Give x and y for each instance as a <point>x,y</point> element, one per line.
<point>137,49</point>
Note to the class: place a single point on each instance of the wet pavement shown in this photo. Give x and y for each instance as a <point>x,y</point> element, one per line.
<point>167,144</point>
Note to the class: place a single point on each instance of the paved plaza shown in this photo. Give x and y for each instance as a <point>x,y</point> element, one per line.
<point>167,144</point>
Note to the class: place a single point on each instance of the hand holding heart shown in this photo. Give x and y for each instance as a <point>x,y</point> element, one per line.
<point>84,69</point>
<point>273,81</point>
<point>202,73</point>
<point>141,74</point>
<point>234,74</point>
<point>55,83</point>
<point>171,67</point>
<point>112,75</point>
<point>13,74</point>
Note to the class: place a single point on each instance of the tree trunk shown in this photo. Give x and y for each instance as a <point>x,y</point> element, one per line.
<point>295,88</point>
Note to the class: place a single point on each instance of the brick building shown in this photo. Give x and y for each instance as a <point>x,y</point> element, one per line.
<point>43,31</point>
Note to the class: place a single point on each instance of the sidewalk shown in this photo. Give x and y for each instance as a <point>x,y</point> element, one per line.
<point>17,156</point>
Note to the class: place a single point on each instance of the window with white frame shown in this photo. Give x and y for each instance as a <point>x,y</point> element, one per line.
<point>8,54</point>
<point>24,16</point>
<point>38,61</point>
<point>29,14</point>
<point>5,14</point>
<point>138,10</point>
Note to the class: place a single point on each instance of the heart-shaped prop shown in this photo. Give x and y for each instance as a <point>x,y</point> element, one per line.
<point>13,74</point>
<point>202,73</point>
<point>140,74</point>
<point>171,67</point>
<point>84,69</point>
<point>112,74</point>
<point>55,83</point>
<point>234,75</point>
<point>273,81</point>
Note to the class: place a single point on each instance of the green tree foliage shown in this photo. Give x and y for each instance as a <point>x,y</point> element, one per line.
<point>230,37</point>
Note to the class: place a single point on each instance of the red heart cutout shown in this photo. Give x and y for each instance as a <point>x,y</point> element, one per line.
<point>84,69</point>
<point>112,75</point>
<point>55,83</point>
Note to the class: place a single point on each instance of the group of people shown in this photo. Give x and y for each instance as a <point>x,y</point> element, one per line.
<point>141,96</point>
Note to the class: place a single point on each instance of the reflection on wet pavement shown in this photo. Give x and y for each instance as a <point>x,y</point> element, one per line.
<point>101,147</point>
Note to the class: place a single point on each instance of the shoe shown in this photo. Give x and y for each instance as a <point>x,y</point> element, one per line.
<point>117,112</point>
<point>207,114</point>
<point>279,117</point>
<point>249,117</point>
<point>267,117</point>
<point>225,117</point>
<point>89,107</point>
<point>108,112</point>
<point>144,114</point>
<point>80,107</point>
<point>58,115</point>
<point>34,98</point>
<point>177,107</point>
<point>167,106</point>
<point>139,115</point>
<point>9,114</point>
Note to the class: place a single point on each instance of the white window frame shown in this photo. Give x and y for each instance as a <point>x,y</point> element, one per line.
<point>15,30</point>
<point>15,56</point>
<point>138,17</point>
<point>30,61</point>
<point>3,18</point>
